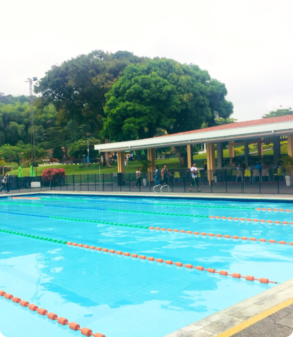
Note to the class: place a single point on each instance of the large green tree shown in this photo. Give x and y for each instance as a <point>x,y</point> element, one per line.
<point>163,94</point>
<point>77,88</point>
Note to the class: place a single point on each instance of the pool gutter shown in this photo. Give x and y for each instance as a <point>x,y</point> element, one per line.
<point>205,196</point>
<point>234,315</point>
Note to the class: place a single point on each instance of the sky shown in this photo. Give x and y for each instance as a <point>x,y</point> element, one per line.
<point>246,44</point>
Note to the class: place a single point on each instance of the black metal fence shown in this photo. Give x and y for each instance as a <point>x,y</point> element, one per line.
<point>250,181</point>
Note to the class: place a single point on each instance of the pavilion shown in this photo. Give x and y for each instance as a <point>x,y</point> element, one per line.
<point>254,131</point>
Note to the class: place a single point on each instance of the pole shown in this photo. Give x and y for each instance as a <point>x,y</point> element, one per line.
<point>33,139</point>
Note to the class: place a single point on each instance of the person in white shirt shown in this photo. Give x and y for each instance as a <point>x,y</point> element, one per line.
<point>138,178</point>
<point>194,177</point>
<point>5,183</point>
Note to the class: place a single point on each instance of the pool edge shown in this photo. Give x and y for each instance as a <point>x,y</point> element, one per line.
<point>215,196</point>
<point>232,316</point>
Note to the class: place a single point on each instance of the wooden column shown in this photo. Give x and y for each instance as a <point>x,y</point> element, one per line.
<point>120,161</point>
<point>210,161</point>
<point>189,156</point>
<point>260,147</point>
<point>151,157</point>
<point>231,151</point>
<point>219,156</point>
<point>290,145</point>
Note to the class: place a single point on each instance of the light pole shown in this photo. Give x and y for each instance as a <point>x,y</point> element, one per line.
<point>33,141</point>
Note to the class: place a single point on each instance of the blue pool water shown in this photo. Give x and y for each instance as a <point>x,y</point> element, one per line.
<point>122,296</point>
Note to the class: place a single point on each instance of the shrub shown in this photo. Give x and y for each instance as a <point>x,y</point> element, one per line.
<point>54,175</point>
<point>54,160</point>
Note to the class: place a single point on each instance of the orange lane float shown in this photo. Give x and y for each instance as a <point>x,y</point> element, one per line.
<point>51,315</point>
<point>228,236</point>
<point>275,209</point>
<point>188,265</point>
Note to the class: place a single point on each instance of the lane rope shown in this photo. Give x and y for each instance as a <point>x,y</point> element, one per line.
<point>50,315</point>
<point>143,257</point>
<point>226,236</point>
<point>170,214</point>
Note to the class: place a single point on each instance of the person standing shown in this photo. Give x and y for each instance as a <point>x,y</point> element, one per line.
<point>5,183</point>
<point>164,175</point>
<point>157,176</point>
<point>138,178</point>
<point>194,177</point>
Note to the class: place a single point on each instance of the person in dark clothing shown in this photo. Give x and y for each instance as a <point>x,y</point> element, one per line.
<point>5,183</point>
<point>157,176</point>
<point>138,178</point>
<point>164,175</point>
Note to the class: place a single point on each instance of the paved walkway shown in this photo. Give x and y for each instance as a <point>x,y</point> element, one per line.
<point>279,324</point>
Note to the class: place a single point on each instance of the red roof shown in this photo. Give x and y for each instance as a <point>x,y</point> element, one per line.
<point>255,122</point>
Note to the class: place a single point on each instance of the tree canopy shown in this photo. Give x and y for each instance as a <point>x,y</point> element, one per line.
<point>77,87</point>
<point>278,112</point>
<point>162,94</point>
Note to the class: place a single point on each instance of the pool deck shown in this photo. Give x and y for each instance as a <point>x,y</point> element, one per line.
<point>269,313</point>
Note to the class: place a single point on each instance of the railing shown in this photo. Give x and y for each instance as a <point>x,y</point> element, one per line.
<point>266,181</point>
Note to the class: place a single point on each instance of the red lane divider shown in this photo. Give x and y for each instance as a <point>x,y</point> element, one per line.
<point>274,209</point>
<point>235,237</point>
<point>61,320</point>
<point>169,262</point>
<point>248,219</point>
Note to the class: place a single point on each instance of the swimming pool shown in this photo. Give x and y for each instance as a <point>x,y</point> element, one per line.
<point>118,295</point>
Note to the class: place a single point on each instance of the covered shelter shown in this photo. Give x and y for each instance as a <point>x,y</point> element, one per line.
<point>254,131</point>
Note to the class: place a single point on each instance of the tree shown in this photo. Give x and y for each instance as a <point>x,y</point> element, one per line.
<point>77,88</point>
<point>222,121</point>
<point>278,112</point>
<point>79,148</point>
<point>163,94</point>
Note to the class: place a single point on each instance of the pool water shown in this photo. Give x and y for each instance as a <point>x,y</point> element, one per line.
<point>123,296</point>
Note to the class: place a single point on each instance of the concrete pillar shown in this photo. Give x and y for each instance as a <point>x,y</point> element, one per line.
<point>276,146</point>
<point>231,151</point>
<point>120,161</point>
<point>151,157</point>
<point>260,148</point>
<point>189,156</point>
<point>210,161</point>
<point>220,155</point>
<point>290,145</point>
<point>246,152</point>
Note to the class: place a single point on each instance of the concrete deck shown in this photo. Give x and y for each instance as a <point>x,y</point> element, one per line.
<point>219,323</point>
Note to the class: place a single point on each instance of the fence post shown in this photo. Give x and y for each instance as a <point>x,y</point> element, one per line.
<point>73,182</point>
<point>278,183</point>
<point>103,182</point>
<point>80,182</point>
<point>112,180</point>
<point>88,186</point>
<point>129,181</point>
<point>184,181</point>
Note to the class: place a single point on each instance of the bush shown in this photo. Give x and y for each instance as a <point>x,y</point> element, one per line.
<point>54,160</point>
<point>54,175</point>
